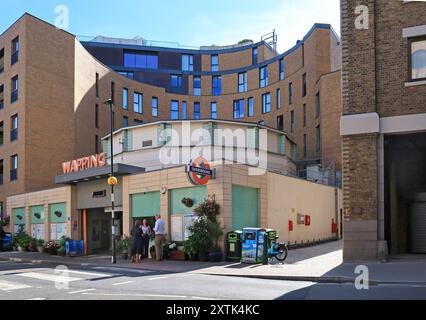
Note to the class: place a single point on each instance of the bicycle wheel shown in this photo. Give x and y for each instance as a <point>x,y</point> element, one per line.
<point>282,252</point>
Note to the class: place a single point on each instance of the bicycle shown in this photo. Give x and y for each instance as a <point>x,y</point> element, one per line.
<point>277,250</point>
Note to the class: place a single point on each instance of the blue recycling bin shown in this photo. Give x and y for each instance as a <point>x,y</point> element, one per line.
<point>254,245</point>
<point>7,242</point>
<point>74,247</point>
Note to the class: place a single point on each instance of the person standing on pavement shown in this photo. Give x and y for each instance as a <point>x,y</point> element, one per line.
<point>146,234</point>
<point>2,236</point>
<point>136,234</point>
<point>160,231</point>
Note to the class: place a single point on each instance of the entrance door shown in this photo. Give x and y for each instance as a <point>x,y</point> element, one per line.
<point>105,234</point>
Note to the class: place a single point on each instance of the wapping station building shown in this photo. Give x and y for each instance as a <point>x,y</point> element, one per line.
<point>53,119</point>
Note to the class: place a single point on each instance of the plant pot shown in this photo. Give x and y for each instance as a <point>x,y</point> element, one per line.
<point>20,249</point>
<point>202,255</point>
<point>215,256</point>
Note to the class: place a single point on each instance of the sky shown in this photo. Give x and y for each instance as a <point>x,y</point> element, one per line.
<point>187,22</point>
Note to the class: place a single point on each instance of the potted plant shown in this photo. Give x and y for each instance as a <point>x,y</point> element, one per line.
<point>40,246</point>
<point>32,244</point>
<point>51,247</point>
<point>62,245</point>
<point>124,247</point>
<point>215,231</point>
<point>198,242</point>
<point>5,221</point>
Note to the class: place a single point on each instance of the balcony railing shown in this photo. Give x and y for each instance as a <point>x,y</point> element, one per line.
<point>13,134</point>
<point>15,57</point>
<point>14,96</point>
<point>13,174</point>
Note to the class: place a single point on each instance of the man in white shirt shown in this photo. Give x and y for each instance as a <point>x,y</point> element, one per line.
<point>160,231</point>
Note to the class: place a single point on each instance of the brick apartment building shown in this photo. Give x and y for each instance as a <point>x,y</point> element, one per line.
<point>53,88</point>
<point>383,127</point>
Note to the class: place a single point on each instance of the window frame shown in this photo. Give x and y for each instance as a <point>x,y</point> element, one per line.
<point>304,85</point>
<point>196,90</point>
<point>254,60</point>
<point>213,103</point>
<point>217,90</point>
<point>140,102</point>
<point>281,69</point>
<point>190,66</point>
<point>244,84</point>
<point>238,109</point>
<point>410,56</point>
<point>174,111</point>
<point>125,102</point>
<point>266,103</point>
<point>250,107</point>
<point>214,67</point>
<point>265,79</point>
<point>154,107</point>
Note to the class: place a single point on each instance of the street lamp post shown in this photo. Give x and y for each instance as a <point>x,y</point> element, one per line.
<point>112,181</point>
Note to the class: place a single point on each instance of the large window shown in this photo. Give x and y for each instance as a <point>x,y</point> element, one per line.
<point>14,94</point>
<point>242,82</point>
<point>187,62</point>
<point>304,85</point>
<point>213,110</point>
<point>197,111</point>
<point>14,127</point>
<point>197,86</point>
<point>140,60</point>
<point>214,62</point>
<point>138,102</point>
<point>250,111</point>
<point>278,99</point>
<point>174,110</point>
<point>15,50</point>
<point>125,98</point>
<point>290,93</point>
<point>266,103</point>
<point>216,85</point>
<point>317,105</point>
<point>282,69</point>
<point>184,110</point>
<point>14,167</point>
<point>263,77</point>
<point>418,59</point>
<point>255,53</point>
<point>154,107</point>
<point>238,109</point>
<point>176,83</point>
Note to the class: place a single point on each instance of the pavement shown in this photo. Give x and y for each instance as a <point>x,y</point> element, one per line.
<point>319,264</point>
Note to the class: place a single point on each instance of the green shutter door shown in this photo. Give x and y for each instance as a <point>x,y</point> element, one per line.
<point>19,216</point>
<point>58,212</point>
<point>196,194</point>
<point>245,207</point>
<point>37,214</point>
<point>145,204</point>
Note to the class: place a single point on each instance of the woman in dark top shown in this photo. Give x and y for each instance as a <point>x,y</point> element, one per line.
<point>136,234</point>
<point>146,233</point>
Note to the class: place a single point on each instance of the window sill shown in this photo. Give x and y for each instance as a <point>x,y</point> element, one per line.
<point>415,83</point>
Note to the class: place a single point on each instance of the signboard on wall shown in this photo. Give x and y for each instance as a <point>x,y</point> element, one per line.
<point>199,172</point>
<point>89,162</point>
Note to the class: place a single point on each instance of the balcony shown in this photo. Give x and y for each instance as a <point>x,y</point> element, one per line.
<point>14,96</point>
<point>13,174</point>
<point>13,134</point>
<point>14,58</point>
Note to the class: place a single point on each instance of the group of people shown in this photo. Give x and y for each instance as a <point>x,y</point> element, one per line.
<point>141,234</point>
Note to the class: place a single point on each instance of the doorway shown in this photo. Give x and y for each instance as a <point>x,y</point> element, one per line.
<point>98,231</point>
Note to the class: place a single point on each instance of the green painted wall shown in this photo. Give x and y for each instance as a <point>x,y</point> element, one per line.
<point>245,207</point>
<point>145,204</point>
<point>61,207</point>
<point>33,211</point>
<point>197,194</point>
<point>21,213</point>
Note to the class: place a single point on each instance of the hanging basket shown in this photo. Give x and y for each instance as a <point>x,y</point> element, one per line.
<point>188,202</point>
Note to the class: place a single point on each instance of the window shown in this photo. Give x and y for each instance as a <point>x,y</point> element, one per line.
<point>214,62</point>
<point>1,97</point>
<point>280,122</point>
<point>125,98</point>
<point>138,102</point>
<point>137,122</point>
<point>238,109</point>
<point>278,99</point>
<point>14,167</point>
<point>213,110</point>
<point>1,60</point>
<point>14,94</point>
<point>304,115</point>
<point>140,60</point>
<point>261,122</point>
<point>184,111</point>
<point>250,102</point>
<point>282,69</point>
<point>1,179</point>
<point>154,105</point>
<point>317,105</point>
<point>418,59</point>
<point>290,93</point>
<point>175,83</point>
<point>97,85</point>
<point>187,62</point>
<point>96,144</point>
<point>304,85</point>
<point>113,92</point>
<point>255,52</point>
<point>14,128</point>
<point>304,146</point>
<point>266,103</point>
<point>196,110</point>
<point>125,121</point>
<point>1,133</point>
<point>174,110</point>
<point>263,77</point>
<point>126,74</point>
<point>197,86</point>
<point>216,85</point>
<point>15,51</point>
<point>292,122</point>
<point>242,82</point>
<point>318,138</point>
<point>96,116</point>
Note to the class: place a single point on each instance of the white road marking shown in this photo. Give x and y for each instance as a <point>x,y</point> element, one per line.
<point>122,283</point>
<point>49,277</point>
<point>89,273</point>
<point>203,298</point>
<point>8,286</point>
<point>81,291</point>
<point>123,269</point>
<point>157,278</point>
<point>37,299</point>
<point>134,295</point>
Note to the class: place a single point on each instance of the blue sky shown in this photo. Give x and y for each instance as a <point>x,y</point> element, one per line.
<point>188,22</point>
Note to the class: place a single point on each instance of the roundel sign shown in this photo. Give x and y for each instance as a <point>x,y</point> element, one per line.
<point>199,171</point>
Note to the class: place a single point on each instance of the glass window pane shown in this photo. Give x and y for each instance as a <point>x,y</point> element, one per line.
<point>418,59</point>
